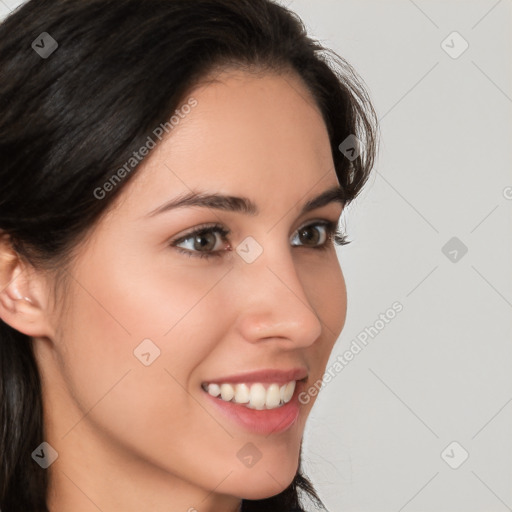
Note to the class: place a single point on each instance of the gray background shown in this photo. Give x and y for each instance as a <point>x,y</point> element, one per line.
<point>438,372</point>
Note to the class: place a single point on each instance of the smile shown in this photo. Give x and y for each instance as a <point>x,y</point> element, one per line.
<point>257,395</point>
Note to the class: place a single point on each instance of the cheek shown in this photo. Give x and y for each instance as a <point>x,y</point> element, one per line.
<point>335,302</point>
<point>327,293</point>
<point>144,408</point>
<point>121,318</point>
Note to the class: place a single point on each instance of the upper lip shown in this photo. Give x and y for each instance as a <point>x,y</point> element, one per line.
<point>266,375</point>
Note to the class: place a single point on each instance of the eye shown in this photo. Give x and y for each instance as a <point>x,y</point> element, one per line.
<point>311,235</point>
<point>203,241</point>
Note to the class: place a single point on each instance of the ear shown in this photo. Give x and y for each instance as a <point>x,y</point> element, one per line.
<point>23,294</point>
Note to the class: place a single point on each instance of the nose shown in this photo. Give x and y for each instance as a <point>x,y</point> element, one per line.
<point>272,303</point>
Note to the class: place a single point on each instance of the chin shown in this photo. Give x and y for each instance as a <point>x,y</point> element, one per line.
<point>264,482</point>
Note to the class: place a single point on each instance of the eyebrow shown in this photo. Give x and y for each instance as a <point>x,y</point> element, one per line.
<point>243,204</point>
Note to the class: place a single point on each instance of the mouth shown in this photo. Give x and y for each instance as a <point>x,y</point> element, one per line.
<point>264,402</point>
<point>259,395</point>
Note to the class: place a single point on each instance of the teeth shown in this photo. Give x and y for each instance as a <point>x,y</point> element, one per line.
<point>242,394</point>
<point>214,389</point>
<point>227,392</point>
<point>288,391</point>
<point>258,396</point>
<point>253,396</point>
<point>273,398</point>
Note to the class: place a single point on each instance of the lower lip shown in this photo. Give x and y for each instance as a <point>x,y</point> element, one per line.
<point>265,421</point>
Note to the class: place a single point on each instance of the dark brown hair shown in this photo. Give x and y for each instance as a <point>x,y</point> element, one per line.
<point>70,120</point>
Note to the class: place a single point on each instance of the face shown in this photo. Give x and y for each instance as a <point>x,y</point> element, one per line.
<point>158,319</point>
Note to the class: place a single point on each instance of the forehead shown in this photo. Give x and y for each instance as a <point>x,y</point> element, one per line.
<point>254,135</point>
<point>262,114</point>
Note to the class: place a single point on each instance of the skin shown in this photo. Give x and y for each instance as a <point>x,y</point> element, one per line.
<point>132,437</point>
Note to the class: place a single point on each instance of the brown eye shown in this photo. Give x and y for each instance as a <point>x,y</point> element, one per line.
<point>202,242</point>
<point>312,236</point>
<point>309,236</point>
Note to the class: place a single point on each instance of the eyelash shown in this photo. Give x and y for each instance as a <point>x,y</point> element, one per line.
<point>333,236</point>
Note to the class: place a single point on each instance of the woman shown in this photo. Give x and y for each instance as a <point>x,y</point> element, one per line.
<point>173,172</point>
